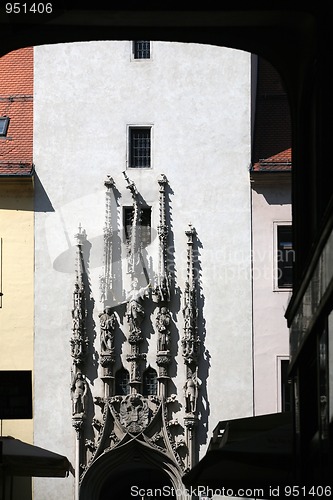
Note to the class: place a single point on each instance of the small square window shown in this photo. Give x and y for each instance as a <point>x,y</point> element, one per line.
<point>141,49</point>
<point>140,147</point>
<point>285,257</point>
<point>4,122</point>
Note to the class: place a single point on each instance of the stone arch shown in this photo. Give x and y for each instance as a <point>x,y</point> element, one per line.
<point>130,469</point>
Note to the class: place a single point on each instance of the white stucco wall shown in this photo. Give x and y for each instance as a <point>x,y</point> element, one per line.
<point>271,203</point>
<point>197,99</point>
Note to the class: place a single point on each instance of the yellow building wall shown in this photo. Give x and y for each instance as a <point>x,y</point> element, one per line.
<point>17,286</point>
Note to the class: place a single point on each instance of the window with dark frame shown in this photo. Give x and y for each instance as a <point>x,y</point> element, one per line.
<point>145,224</point>
<point>149,382</point>
<point>285,386</point>
<point>285,257</point>
<point>141,49</point>
<point>122,382</point>
<point>140,147</point>
<point>4,122</point>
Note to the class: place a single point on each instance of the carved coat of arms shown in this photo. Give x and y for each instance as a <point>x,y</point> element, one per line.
<point>134,413</point>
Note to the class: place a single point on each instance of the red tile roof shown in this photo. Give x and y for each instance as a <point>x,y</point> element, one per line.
<point>281,162</point>
<point>16,103</point>
<point>8,169</point>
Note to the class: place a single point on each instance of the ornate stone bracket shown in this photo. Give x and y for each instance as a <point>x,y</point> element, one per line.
<point>78,422</point>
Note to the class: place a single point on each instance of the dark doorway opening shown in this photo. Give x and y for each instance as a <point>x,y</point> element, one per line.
<point>136,482</point>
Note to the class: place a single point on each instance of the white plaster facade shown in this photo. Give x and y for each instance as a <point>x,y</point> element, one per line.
<point>197,99</point>
<point>271,206</point>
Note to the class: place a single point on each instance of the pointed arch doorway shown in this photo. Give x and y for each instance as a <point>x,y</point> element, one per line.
<point>136,482</point>
<point>133,471</point>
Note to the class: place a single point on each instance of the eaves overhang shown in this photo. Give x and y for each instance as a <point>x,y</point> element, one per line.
<point>270,176</point>
<point>17,174</point>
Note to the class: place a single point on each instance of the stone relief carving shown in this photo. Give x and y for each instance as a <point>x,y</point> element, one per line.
<point>135,374</point>
<point>151,418</point>
<point>134,413</point>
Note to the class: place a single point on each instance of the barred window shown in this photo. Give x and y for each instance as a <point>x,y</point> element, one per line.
<point>140,147</point>
<point>141,49</point>
<point>149,382</point>
<point>122,382</point>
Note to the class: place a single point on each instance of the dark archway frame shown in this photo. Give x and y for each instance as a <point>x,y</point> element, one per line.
<point>298,41</point>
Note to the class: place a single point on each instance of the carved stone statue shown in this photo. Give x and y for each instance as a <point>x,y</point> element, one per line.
<point>108,324</point>
<point>163,320</point>
<point>191,393</point>
<point>135,312</point>
<point>79,392</point>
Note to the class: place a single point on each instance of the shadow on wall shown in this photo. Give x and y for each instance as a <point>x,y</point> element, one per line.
<point>273,194</point>
<point>42,201</point>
